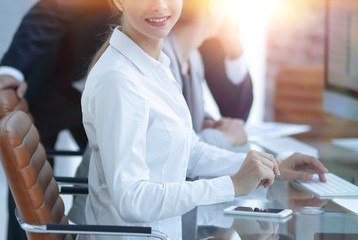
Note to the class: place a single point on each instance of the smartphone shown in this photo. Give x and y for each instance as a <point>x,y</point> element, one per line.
<point>268,212</point>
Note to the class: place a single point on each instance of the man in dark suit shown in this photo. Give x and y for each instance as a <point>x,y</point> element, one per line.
<point>52,48</point>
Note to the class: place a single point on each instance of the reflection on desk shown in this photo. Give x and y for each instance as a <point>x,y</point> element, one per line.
<point>212,223</point>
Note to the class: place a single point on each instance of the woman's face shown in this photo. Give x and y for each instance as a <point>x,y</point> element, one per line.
<point>146,20</point>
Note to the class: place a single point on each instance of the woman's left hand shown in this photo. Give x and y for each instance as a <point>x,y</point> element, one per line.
<point>295,165</point>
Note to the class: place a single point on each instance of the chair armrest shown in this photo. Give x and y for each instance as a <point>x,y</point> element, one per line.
<point>105,230</point>
<point>73,190</point>
<point>98,228</point>
<point>72,180</point>
<point>64,153</point>
<point>91,229</point>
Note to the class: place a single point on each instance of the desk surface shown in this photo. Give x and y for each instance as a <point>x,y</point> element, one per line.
<point>335,223</point>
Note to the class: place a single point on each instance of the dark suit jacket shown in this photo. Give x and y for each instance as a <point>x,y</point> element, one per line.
<point>233,100</point>
<point>52,47</point>
<point>55,42</point>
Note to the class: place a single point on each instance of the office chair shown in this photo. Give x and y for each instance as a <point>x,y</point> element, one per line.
<point>40,209</point>
<point>9,102</point>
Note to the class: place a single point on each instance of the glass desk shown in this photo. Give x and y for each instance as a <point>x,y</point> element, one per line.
<point>334,223</point>
<point>210,222</point>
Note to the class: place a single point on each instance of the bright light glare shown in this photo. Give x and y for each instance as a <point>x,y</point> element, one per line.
<point>244,9</point>
<point>252,16</point>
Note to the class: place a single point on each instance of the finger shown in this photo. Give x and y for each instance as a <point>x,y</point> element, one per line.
<point>268,183</point>
<point>208,123</point>
<point>273,160</point>
<point>21,90</point>
<point>261,183</point>
<point>264,180</point>
<point>218,123</point>
<point>316,165</point>
<point>322,177</point>
<point>268,176</point>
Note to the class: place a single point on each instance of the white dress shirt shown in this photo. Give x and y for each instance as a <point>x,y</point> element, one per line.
<point>236,69</point>
<point>143,146</point>
<point>13,72</point>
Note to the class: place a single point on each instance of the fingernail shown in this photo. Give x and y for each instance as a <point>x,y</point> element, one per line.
<point>309,177</point>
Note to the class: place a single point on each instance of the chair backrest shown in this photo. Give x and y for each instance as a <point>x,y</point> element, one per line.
<point>29,175</point>
<point>9,102</point>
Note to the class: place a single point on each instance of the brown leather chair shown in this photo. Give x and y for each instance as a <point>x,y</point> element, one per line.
<point>40,209</point>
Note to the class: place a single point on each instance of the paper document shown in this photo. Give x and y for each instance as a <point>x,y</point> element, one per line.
<point>274,130</point>
<point>349,204</point>
<point>347,143</point>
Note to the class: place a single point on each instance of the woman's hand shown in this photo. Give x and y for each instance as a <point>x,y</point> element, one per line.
<point>293,168</point>
<point>258,169</point>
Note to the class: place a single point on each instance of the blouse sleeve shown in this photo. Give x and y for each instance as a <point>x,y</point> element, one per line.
<point>209,160</point>
<point>121,119</point>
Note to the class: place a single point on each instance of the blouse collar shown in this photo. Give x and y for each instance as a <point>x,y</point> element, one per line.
<point>135,54</point>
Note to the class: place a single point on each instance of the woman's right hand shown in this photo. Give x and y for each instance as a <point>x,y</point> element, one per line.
<point>258,169</point>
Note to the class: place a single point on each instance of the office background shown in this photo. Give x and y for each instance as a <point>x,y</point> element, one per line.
<point>282,33</point>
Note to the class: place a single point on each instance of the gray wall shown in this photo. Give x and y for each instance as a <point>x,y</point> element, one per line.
<point>11,13</point>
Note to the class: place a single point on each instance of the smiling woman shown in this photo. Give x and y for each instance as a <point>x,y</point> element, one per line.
<point>141,135</point>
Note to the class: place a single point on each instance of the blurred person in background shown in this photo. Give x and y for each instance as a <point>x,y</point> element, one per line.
<point>181,46</point>
<point>226,70</point>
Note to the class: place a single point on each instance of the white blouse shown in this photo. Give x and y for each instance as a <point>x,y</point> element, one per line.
<point>143,146</point>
